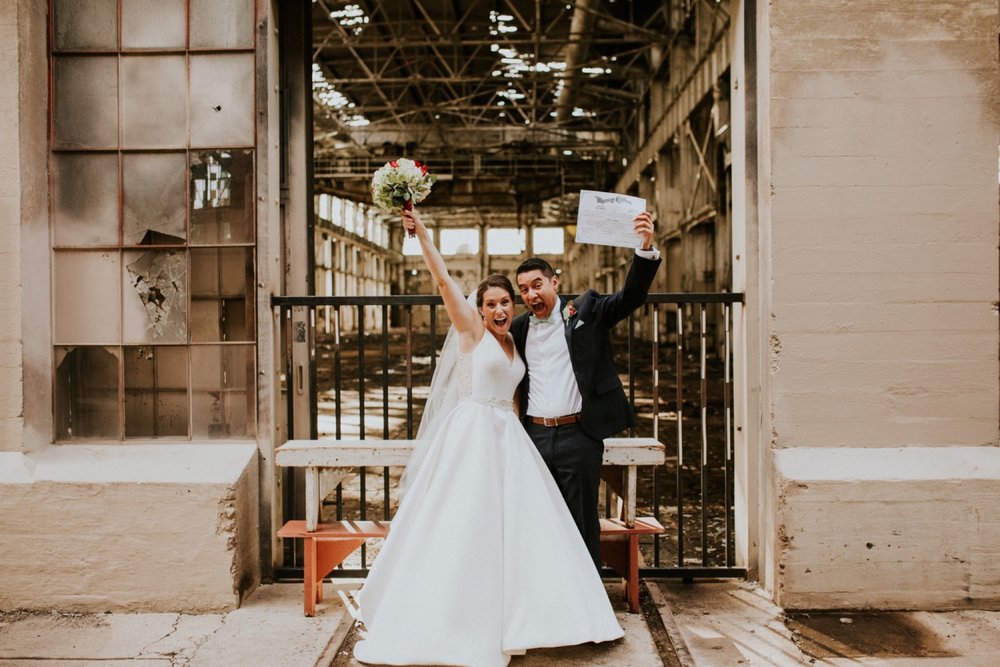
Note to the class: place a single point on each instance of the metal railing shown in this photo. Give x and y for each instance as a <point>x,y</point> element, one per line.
<point>677,352</point>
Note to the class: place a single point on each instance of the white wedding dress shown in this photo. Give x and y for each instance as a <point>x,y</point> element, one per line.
<point>483,560</point>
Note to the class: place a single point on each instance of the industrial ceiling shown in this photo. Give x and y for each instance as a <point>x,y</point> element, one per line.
<point>515,104</point>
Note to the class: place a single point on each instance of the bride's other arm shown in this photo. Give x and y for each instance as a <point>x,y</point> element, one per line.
<point>465,319</point>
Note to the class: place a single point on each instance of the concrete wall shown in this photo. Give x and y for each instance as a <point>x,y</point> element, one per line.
<point>10,238</point>
<point>89,527</point>
<point>129,528</point>
<point>878,241</point>
<point>889,527</point>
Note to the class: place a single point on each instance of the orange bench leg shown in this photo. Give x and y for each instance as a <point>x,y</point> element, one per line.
<point>309,577</point>
<point>320,557</point>
<point>621,554</point>
<point>632,580</point>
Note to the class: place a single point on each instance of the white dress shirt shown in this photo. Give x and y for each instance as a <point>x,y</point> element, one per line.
<point>552,390</point>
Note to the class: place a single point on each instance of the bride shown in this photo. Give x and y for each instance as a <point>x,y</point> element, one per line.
<point>483,560</point>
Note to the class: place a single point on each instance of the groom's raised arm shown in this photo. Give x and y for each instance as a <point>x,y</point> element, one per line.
<point>616,307</point>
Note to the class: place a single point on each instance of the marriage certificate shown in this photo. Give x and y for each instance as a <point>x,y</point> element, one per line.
<point>606,218</point>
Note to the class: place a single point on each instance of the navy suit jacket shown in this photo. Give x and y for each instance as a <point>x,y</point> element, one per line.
<point>606,409</point>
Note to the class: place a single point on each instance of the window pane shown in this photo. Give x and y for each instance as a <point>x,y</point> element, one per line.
<point>549,240</point>
<point>154,299</point>
<point>221,192</point>
<point>221,23</point>
<point>459,241</point>
<point>154,114</point>
<point>153,24</point>
<point>87,291</point>
<point>505,241</point>
<point>86,393</point>
<point>154,198</point>
<point>222,100</point>
<point>220,309</point>
<point>222,405</point>
<point>86,24</point>
<point>86,199</point>
<point>156,396</point>
<point>86,101</point>
<point>411,246</point>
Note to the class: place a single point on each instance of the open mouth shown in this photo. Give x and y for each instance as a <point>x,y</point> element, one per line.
<point>500,321</point>
<point>537,307</point>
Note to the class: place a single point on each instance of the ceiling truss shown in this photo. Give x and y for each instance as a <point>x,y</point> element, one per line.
<point>512,102</point>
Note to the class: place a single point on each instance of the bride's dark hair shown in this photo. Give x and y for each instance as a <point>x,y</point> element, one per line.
<point>496,280</point>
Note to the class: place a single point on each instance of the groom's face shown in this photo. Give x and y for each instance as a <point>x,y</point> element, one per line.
<point>538,292</point>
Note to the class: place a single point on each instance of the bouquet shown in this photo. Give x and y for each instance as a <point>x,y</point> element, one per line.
<point>400,184</point>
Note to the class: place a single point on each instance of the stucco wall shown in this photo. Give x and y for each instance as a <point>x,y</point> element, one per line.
<point>129,528</point>
<point>10,238</point>
<point>882,318</point>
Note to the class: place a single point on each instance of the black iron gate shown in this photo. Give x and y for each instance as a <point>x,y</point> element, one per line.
<point>677,352</point>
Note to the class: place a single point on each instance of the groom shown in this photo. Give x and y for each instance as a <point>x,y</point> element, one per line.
<point>571,397</point>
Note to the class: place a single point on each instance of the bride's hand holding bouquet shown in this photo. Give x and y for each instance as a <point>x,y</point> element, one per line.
<point>412,223</point>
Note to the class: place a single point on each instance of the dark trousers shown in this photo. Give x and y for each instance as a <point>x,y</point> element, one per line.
<point>574,459</point>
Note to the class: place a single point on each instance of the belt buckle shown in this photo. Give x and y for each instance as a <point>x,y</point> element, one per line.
<point>554,420</point>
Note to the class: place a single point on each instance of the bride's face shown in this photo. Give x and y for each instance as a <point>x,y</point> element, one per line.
<point>497,310</point>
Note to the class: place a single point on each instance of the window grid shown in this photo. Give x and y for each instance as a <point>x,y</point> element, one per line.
<point>235,357</point>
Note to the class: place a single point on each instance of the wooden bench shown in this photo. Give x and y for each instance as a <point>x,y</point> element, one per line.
<point>326,545</point>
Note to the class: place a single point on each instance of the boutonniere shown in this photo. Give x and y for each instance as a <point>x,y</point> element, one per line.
<point>569,311</point>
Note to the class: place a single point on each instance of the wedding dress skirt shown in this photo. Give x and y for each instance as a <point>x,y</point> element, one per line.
<point>483,559</point>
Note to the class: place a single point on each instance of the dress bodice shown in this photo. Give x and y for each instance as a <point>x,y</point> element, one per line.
<point>492,378</point>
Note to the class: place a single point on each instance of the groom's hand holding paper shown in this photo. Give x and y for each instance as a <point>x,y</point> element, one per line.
<point>607,218</point>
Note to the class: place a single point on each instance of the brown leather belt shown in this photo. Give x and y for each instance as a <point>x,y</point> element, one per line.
<point>556,421</point>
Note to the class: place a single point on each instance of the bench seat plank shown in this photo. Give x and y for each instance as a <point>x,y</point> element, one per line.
<point>646,525</point>
<point>378,452</point>
<point>344,453</point>
<point>336,529</point>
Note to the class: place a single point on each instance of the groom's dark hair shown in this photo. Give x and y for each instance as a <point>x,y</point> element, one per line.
<point>535,264</point>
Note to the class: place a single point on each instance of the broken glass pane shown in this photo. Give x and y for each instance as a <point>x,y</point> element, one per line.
<point>222,99</point>
<point>86,199</point>
<point>154,304</point>
<point>221,192</point>
<point>223,391</point>
<point>153,107</point>
<point>220,280</point>
<point>86,393</point>
<point>153,24</point>
<point>154,198</point>
<point>87,297</point>
<point>86,24</point>
<point>156,402</point>
<point>86,102</point>
<point>221,23</point>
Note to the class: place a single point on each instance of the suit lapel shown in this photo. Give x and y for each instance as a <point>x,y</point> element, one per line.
<point>521,336</point>
<point>568,327</point>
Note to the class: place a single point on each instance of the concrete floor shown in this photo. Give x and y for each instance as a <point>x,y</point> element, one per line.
<point>636,649</point>
<point>734,623</point>
<point>708,624</point>
<point>269,629</point>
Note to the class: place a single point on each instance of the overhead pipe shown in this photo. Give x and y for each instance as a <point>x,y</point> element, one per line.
<point>576,54</point>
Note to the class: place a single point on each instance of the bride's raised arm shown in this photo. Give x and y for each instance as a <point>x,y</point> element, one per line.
<point>465,320</point>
